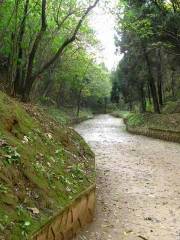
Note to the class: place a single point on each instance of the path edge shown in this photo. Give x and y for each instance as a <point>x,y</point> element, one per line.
<point>167,135</point>
<point>69,221</point>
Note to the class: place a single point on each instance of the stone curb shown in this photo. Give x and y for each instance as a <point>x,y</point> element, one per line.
<point>75,121</point>
<point>166,135</point>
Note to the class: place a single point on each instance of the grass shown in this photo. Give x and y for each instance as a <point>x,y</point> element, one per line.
<point>120,114</point>
<point>68,115</point>
<point>44,165</point>
<point>162,121</point>
<point>172,107</point>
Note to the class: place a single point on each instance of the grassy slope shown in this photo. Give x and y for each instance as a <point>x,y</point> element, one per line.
<point>68,116</point>
<point>148,120</point>
<point>43,165</point>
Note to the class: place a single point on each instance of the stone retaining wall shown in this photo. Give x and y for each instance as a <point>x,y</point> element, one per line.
<point>68,222</point>
<point>79,120</point>
<point>167,135</point>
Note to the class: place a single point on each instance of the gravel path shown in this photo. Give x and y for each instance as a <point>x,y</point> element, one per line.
<point>138,184</point>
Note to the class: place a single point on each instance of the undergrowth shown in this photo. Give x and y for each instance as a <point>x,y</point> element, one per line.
<point>44,165</point>
<point>69,115</point>
<point>162,121</point>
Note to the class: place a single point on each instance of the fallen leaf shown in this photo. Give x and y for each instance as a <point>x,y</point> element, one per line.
<point>3,143</point>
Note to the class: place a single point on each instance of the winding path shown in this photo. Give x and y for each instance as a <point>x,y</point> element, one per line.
<point>138,184</point>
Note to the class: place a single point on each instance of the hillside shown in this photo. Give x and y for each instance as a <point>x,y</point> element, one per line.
<point>44,165</point>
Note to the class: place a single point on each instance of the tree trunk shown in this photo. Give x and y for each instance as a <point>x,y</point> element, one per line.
<point>29,79</point>
<point>173,84</point>
<point>130,106</point>
<point>48,88</point>
<point>160,79</point>
<point>105,104</point>
<point>152,83</point>
<point>13,54</point>
<point>143,98</point>
<point>149,93</point>
<point>60,100</point>
<point>79,102</point>
<point>19,71</point>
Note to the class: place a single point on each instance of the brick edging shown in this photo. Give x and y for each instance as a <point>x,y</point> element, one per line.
<point>66,224</point>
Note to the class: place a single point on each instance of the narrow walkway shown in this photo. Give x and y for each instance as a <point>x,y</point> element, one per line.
<point>138,184</point>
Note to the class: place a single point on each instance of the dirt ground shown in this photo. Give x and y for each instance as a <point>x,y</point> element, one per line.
<point>138,184</point>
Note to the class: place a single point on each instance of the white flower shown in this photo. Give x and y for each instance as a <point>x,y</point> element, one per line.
<point>49,135</point>
<point>49,164</point>
<point>25,140</point>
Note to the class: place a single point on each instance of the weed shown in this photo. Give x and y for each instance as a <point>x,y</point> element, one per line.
<point>25,225</point>
<point>3,188</point>
<point>59,153</point>
<point>4,220</point>
<point>135,119</point>
<point>20,210</point>
<point>38,166</point>
<point>78,171</point>
<point>12,156</point>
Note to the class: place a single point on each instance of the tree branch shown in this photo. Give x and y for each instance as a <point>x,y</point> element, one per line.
<point>66,42</point>
<point>37,41</point>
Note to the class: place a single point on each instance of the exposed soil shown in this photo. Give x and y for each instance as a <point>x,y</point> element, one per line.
<point>138,184</point>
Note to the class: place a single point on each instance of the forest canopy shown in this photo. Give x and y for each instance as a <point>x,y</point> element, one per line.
<point>148,36</point>
<point>46,52</point>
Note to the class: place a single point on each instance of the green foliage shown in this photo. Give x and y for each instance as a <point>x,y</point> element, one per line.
<point>3,188</point>
<point>121,114</point>
<point>40,153</point>
<point>132,119</point>
<point>172,107</point>
<point>148,36</point>
<point>11,155</point>
<point>68,115</point>
<point>135,119</point>
<point>75,78</point>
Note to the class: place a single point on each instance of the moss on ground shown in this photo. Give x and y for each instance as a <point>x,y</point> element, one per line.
<point>172,107</point>
<point>120,114</point>
<point>43,166</point>
<point>68,116</point>
<point>164,122</point>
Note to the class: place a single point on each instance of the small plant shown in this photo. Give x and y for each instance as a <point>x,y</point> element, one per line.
<point>51,159</point>
<point>39,167</point>
<point>12,156</point>
<point>65,180</point>
<point>60,155</point>
<point>3,189</point>
<point>59,152</point>
<point>20,210</point>
<point>32,136</point>
<point>25,228</point>
<point>135,119</point>
<point>50,176</point>
<point>77,171</point>
<point>4,220</point>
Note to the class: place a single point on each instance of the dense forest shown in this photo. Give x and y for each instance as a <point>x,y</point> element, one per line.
<point>47,53</point>
<point>148,76</point>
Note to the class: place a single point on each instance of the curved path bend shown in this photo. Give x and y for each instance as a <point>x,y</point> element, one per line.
<point>138,184</point>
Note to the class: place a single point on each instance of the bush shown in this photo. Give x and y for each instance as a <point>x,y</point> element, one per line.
<point>172,107</point>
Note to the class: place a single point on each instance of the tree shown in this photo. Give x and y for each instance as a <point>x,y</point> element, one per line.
<point>148,36</point>
<point>60,24</point>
